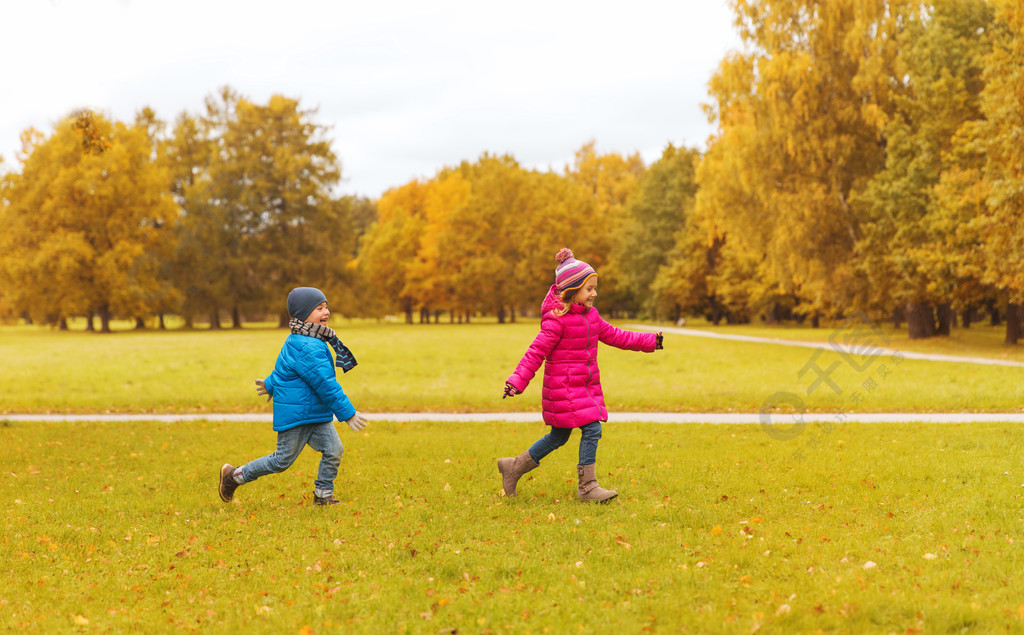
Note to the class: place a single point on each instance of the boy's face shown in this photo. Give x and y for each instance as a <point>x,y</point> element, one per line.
<point>587,293</point>
<point>320,315</point>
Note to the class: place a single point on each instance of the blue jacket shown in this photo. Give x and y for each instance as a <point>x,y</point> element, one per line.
<point>304,386</point>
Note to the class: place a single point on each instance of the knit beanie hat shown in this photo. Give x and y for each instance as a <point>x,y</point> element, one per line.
<point>302,301</point>
<point>571,274</point>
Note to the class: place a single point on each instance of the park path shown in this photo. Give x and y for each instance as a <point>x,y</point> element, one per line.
<point>534,417</point>
<point>771,340</point>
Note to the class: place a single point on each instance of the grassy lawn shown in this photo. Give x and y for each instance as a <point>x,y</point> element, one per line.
<point>449,368</point>
<point>863,528</point>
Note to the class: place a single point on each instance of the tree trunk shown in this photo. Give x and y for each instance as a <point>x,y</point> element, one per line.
<point>408,311</point>
<point>63,325</point>
<point>140,324</point>
<point>236,318</point>
<point>214,318</point>
<point>920,320</point>
<point>28,318</point>
<point>89,326</point>
<point>189,321</point>
<point>897,318</point>
<point>815,321</point>
<point>467,317</point>
<point>512,314</point>
<point>715,316</point>
<point>501,314</point>
<point>1012,324</point>
<point>451,316</point>
<point>283,319</point>
<point>967,316</point>
<point>945,317</point>
<point>993,312</point>
<point>104,319</point>
<point>163,326</point>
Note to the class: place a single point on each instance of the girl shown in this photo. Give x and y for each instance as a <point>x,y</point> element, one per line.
<point>570,329</point>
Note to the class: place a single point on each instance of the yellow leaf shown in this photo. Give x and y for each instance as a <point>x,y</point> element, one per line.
<point>81,621</point>
<point>717,529</point>
<point>306,630</point>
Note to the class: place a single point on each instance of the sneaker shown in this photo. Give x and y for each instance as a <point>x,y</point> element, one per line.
<point>327,500</point>
<point>227,482</point>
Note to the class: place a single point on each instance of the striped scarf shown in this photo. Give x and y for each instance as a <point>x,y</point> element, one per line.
<point>346,360</point>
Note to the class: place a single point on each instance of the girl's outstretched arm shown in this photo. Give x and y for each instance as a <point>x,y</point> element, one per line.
<point>626,340</point>
<point>543,344</point>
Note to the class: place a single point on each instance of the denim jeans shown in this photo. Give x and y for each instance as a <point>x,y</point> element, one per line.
<point>590,435</point>
<point>322,437</point>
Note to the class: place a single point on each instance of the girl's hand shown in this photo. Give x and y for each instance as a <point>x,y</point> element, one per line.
<point>510,390</point>
<point>660,345</point>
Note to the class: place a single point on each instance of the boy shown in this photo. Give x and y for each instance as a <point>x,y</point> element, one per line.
<point>307,397</point>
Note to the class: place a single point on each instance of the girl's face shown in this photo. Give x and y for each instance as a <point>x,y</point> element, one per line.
<point>320,315</point>
<point>587,293</point>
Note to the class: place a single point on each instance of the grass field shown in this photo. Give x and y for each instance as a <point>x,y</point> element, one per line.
<point>876,528</point>
<point>851,528</point>
<point>448,368</point>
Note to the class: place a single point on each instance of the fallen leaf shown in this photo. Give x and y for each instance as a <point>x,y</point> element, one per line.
<point>783,610</point>
<point>717,529</point>
<point>870,565</point>
<point>929,556</point>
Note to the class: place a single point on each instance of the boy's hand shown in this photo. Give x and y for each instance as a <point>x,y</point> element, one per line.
<point>261,389</point>
<point>510,390</point>
<point>660,343</point>
<point>357,422</point>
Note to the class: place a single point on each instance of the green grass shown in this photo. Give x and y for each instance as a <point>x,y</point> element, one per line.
<point>114,527</point>
<point>449,368</point>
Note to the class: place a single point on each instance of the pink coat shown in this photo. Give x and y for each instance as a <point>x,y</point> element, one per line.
<point>567,345</point>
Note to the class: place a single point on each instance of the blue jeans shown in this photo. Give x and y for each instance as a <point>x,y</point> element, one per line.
<point>590,435</point>
<point>322,437</point>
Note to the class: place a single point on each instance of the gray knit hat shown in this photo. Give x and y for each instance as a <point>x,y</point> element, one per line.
<point>302,301</point>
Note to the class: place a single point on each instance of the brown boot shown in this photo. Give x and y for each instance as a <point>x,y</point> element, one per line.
<point>589,490</point>
<point>513,469</point>
<point>227,484</point>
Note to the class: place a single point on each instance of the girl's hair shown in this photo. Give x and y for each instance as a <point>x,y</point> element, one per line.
<point>564,302</point>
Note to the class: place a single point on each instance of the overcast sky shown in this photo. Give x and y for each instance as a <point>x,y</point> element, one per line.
<point>407,87</point>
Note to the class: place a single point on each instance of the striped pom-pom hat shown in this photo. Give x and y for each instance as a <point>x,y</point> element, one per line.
<point>571,274</point>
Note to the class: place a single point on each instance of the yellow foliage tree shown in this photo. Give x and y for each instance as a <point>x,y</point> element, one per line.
<point>87,223</point>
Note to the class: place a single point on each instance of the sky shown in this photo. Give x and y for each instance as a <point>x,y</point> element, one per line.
<point>406,87</point>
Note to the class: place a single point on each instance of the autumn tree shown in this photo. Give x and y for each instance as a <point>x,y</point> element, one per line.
<point>607,182</point>
<point>87,222</point>
<point>809,91</point>
<point>198,254</point>
<point>661,208</point>
<point>386,247</point>
<point>996,139</point>
<point>909,246</point>
<point>255,183</point>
